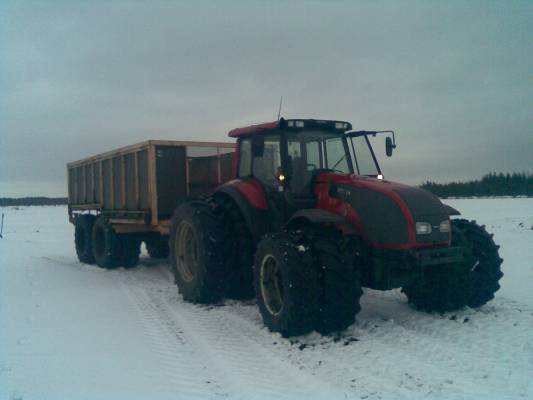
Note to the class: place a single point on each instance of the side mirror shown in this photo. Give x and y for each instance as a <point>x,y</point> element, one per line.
<point>389,146</point>
<point>258,145</point>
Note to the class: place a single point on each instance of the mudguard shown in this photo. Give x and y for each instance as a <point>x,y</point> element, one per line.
<point>252,204</point>
<point>451,210</point>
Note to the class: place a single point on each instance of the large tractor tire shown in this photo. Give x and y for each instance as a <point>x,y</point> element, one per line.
<point>471,282</point>
<point>286,284</point>
<point>338,259</point>
<point>83,238</point>
<point>484,262</point>
<point>157,246</point>
<point>239,248</point>
<point>196,252</point>
<point>107,247</point>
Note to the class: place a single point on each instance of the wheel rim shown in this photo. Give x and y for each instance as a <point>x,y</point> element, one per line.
<point>186,250</point>
<point>271,283</point>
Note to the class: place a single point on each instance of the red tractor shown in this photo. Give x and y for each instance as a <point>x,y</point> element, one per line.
<point>308,220</point>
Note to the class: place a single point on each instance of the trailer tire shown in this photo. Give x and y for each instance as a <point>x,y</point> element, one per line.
<point>286,284</point>
<point>239,248</point>
<point>471,282</point>
<point>131,248</point>
<point>196,252</point>
<point>337,258</point>
<point>107,249</point>
<point>83,238</point>
<point>157,247</point>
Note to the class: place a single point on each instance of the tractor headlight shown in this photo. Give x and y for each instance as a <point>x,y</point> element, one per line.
<point>423,228</point>
<point>444,226</point>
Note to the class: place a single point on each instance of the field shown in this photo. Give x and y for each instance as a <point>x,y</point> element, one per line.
<point>73,331</point>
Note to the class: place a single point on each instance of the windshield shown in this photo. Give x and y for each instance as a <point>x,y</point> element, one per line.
<point>310,151</point>
<point>313,150</point>
<point>363,158</point>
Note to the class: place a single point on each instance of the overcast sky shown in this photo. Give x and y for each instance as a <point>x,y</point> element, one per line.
<point>453,79</point>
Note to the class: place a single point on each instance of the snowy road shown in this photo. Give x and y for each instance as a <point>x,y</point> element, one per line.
<point>72,331</point>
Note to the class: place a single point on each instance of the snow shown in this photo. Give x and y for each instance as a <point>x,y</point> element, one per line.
<point>73,331</point>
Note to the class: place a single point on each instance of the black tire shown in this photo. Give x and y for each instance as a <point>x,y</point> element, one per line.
<point>471,282</point>
<point>286,284</point>
<point>196,252</point>
<point>338,261</point>
<point>483,262</point>
<point>131,248</point>
<point>83,228</point>
<point>107,248</point>
<point>239,249</point>
<point>157,247</point>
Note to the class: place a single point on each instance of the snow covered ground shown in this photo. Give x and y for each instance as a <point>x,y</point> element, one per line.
<point>73,331</point>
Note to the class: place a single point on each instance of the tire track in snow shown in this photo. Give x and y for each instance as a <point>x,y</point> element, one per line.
<point>238,361</point>
<point>186,375</point>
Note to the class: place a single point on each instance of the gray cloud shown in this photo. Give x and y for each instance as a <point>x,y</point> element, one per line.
<point>453,79</point>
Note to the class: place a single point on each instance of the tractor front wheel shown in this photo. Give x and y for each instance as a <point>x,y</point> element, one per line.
<point>286,284</point>
<point>471,282</point>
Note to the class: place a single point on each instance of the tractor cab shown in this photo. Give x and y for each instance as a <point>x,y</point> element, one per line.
<point>287,156</point>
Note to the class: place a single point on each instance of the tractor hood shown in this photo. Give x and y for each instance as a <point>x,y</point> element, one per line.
<point>387,212</point>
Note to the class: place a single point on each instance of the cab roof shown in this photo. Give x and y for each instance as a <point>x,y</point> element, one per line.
<point>292,124</point>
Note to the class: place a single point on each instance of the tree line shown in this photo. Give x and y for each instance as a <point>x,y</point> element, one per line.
<point>492,184</point>
<point>33,201</point>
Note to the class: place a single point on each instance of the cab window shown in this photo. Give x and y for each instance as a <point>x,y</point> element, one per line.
<point>245,158</point>
<point>267,167</point>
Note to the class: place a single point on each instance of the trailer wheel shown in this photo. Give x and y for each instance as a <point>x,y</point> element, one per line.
<point>196,255</point>
<point>107,249</point>
<point>338,260</point>
<point>157,247</point>
<point>131,248</point>
<point>239,250</point>
<point>471,282</point>
<point>286,284</point>
<point>83,238</point>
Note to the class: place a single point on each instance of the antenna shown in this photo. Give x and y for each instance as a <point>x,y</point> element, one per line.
<point>280,103</point>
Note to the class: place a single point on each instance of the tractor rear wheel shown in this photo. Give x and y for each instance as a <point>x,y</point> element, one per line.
<point>471,282</point>
<point>286,284</point>
<point>196,252</point>
<point>83,238</point>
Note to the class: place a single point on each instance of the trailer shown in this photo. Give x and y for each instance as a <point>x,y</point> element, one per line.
<point>138,187</point>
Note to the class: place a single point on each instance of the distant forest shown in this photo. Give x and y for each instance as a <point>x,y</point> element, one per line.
<point>493,184</point>
<point>33,201</point>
